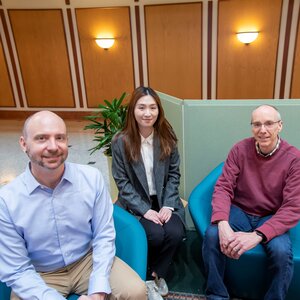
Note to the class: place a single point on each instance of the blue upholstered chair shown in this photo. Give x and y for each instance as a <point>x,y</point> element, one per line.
<point>246,277</point>
<point>131,245</point>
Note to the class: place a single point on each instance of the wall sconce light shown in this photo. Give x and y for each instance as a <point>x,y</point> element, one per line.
<point>105,43</point>
<point>247,37</point>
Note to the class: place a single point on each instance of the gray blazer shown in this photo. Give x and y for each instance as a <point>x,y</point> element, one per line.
<point>131,180</point>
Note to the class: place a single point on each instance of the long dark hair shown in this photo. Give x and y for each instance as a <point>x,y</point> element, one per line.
<point>162,127</point>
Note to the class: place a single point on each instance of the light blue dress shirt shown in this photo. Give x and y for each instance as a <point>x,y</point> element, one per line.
<point>42,230</point>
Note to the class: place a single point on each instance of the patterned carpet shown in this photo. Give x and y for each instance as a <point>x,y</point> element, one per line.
<point>184,296</point>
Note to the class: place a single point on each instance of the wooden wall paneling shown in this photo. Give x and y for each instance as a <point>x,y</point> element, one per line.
<point>247,71</point>
<point>209,48</point>
<point>75,57</point>
<point>139,42</point>
<point>6,93</point>
<point>42,50</point>
<point>19,100</point>
<point>107,73</point>
<point>174,48</point>
<point>287,38</point>
<point>295,88</point>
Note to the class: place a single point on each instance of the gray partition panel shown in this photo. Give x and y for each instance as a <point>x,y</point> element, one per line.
<point>174,114</point>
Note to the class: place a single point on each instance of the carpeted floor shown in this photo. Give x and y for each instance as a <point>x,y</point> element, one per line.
<point>183,296</point>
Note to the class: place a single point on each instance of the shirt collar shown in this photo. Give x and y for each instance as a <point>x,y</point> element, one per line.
<point>69,175</point>
<point>30,181</point>
<point>33,184</point>
<point>258,151</point>
<point>147,140</point>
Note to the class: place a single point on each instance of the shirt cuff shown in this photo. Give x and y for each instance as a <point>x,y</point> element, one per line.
<point>171,208</point>
<point>101,285</point>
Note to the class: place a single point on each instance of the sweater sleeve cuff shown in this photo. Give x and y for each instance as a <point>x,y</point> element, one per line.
<point>219,216</point>
<point>267,231</point>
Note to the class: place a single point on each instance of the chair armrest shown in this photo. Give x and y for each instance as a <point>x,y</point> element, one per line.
<point>200,200</point>
<point>131,241</point>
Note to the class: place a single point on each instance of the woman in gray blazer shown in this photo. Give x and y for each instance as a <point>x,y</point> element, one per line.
<point>145,167</point>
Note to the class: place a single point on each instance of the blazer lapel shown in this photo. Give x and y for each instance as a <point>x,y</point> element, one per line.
<point>140,172</point>
<point>158,169</point>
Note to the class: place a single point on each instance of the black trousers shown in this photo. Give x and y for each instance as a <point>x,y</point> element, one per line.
<point>162,241</point>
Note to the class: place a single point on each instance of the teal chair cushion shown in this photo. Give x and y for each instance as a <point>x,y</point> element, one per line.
<point>245,277</point>
<point>131,246</point>
<point>131,241</point>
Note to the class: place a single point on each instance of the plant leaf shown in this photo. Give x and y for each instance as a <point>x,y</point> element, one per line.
<point>108,120</point>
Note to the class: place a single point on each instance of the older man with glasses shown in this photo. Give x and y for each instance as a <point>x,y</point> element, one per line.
<point>256,200</point>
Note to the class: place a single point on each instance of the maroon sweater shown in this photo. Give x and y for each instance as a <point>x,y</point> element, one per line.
<point>260,186</point>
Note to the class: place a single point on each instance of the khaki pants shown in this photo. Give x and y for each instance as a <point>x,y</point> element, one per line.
<point>74,279</point>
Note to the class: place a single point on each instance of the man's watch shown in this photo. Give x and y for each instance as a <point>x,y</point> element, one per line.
<point>264,239</point>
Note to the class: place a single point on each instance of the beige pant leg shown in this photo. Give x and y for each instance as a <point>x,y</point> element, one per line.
<point>125,283</point>
<point>57,280</point>
<point>67,279</point>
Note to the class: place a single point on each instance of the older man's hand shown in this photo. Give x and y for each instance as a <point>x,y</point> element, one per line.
<point>240,242</point>
<point>225,233</point>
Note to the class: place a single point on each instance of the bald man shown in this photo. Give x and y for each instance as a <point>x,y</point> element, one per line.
<point>57,235</point>
<point>256,200</point>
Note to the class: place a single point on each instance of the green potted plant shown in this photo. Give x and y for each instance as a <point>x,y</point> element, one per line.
<point>107,121</point>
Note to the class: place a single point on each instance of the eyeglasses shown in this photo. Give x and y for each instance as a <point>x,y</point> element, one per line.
<point>268,124</point>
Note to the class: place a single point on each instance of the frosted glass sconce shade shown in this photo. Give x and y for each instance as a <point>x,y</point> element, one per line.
<point>105,43</point>
<point>247,37</point>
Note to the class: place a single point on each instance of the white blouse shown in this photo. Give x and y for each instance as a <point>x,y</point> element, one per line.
<point>147,155</point>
